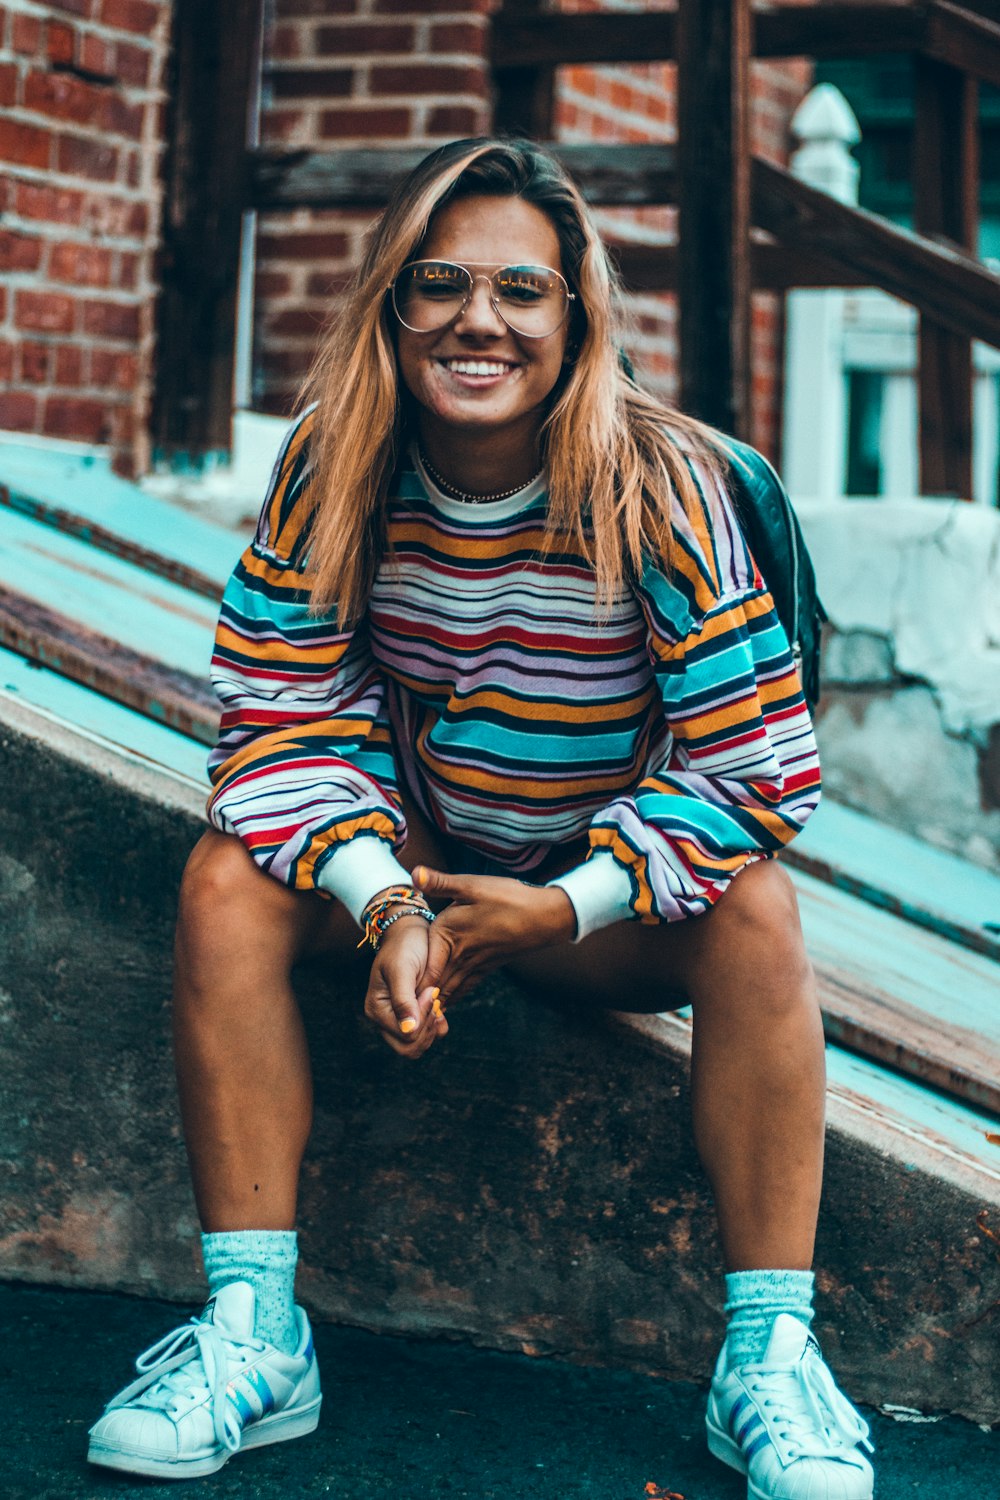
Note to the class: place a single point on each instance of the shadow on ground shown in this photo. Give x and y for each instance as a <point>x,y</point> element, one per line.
<point>407,1420</point>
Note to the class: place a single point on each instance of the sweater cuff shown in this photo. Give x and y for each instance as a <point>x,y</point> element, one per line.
<point>358,869</point>
<point>601,891</point>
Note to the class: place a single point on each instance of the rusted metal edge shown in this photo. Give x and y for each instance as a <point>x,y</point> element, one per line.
<point>166,694</point>
<point>977,939</point>
<point>104,540</point>
<point>951,1058</point>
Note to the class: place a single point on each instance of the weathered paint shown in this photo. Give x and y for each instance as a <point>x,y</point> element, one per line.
<point>903,874</point>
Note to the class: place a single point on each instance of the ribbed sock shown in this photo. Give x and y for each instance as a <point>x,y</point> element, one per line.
<point>753,1301</point>
<point>266,1258</point>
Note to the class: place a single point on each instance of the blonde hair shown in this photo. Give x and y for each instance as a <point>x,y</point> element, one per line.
<point>615,456</point>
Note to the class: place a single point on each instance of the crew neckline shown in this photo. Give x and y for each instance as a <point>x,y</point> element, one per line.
<point>466,510</point>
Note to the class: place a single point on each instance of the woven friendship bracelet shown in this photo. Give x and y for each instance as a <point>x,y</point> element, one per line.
<point>380,912</point>
<point>408,911</point>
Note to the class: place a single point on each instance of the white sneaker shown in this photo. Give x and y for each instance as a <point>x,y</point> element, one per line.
<point>207,1390</point>
<point>785,1424</point>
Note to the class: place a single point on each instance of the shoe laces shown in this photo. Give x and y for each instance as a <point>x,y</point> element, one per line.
<point>804,1407</point>
<point>170,1368</point>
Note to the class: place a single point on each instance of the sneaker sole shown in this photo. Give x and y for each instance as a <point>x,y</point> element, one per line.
<point>723,1447</point>
<point>280,1427</point>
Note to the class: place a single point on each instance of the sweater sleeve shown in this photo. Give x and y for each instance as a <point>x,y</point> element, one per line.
<point>303,772</point>
<point>739,773</point>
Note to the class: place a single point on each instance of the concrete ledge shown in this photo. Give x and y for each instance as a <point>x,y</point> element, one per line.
<point>531,1186</point>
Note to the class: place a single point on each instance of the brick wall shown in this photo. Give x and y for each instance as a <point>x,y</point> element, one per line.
<point>80,92</point>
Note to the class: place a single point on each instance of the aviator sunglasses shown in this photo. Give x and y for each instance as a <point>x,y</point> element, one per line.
<point>533,301</point>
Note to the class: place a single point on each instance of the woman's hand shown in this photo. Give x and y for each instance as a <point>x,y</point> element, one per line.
<point>400,1000</point>
<point>490,919</point>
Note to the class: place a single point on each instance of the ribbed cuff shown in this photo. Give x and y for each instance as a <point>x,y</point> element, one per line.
<point>358,869</point>
<point>600,891</point>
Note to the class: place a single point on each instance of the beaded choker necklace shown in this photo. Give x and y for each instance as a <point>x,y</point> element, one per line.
<point>454,493</point>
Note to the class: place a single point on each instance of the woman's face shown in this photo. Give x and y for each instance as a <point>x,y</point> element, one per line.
<point>484,234</point>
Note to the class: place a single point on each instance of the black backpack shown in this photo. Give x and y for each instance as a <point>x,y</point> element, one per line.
<point>775,539</point>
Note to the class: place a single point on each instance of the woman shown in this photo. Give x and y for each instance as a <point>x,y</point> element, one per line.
<point>498,643</point>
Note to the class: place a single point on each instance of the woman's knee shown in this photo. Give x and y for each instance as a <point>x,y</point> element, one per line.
<point>227,905</point>
<point>754,931</point>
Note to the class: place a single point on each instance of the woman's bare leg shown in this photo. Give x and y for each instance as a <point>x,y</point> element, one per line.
<point>243,1073</point>
<point>758,1071</point>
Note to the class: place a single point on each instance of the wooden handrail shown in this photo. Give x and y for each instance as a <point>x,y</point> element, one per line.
<point>936,28</point>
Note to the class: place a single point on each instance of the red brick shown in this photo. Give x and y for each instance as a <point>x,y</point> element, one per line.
<point>454,120</point>
<point>431,7</point>
<point>97,56</point>
<point>36,200</point>
<point>69,364</point>
<point>367,124</point>
<point>3,303</point>
<point>272,284</point>
<point>83,265</point>
<point>313,246</point>
<point>6,362</point>
<point>80,157</point>
<point>458,36</point>
<point>18,411</point>
<point>44,312</point>
<point>130,15</point>
<point>74,7</point>
<point>26,34</point>
<point>108,368</point>
<point>19,252</point>
<point>326,284</point>
<point>137,221</point>
<point>76,417</point>
<point>113,320</point>
<point>60,42</point>
<point>132,64</point>
<point>311,83</point>
<point>35,363</point>
<point>128,272</point>
<point>62,97</point>
<point>426,78</point>
<point>317,8</point>
<point>360,41</point>
<point>281,124</point>
<point>133,169</point>
<point>24,145</point>
<point>295,322</point>
<point>8,84</point>
<point>118,117</point>
<point>284,42</point>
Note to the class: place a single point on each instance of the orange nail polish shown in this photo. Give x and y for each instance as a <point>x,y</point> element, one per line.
<point>408,1025</point>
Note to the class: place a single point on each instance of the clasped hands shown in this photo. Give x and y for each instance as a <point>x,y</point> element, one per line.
<point>488,920</point>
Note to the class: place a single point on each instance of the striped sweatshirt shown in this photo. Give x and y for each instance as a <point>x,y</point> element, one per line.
<point>669,734</point>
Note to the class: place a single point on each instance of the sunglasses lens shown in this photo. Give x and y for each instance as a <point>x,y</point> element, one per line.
<point>532,299</point>
<point>428,294</point>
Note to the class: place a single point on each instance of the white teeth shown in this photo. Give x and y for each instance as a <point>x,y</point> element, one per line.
<point>475,367</point>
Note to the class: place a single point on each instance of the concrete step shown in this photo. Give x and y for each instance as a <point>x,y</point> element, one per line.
<point>531,1186</point>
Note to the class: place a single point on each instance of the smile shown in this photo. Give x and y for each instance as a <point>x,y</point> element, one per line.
<point>480,367</point>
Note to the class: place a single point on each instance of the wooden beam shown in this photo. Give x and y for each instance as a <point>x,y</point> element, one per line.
<point>525,93</point>
<point>773,268</point>
<point>365,178</point>
<point>950,33</point>
<point>215,48</point>
<point>713,195</point>
<point>946,201</point>
<point>163,693</point>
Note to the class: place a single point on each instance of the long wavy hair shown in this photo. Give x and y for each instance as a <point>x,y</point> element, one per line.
<point>614,456</point>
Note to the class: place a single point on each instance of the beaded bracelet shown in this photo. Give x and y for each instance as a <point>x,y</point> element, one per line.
<point>376,915</point>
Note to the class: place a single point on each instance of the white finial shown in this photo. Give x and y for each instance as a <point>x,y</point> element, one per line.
<point>827,127</point>
<point>825,115</point>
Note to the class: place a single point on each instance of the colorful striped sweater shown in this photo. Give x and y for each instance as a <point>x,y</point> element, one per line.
<point>484,685</point>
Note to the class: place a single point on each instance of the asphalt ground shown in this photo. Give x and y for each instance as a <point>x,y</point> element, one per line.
<point>411,1419</point>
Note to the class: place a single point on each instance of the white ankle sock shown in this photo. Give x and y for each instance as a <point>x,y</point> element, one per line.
<point>753,1301</point>
<point>266,1258</point>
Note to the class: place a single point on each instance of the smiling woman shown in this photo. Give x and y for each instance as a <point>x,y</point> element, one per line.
<point>501,684</point>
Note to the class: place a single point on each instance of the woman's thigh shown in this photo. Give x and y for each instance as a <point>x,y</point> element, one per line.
<point>751,933</point>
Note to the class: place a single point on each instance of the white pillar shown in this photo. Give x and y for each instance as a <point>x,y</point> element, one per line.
<point>814,457</point>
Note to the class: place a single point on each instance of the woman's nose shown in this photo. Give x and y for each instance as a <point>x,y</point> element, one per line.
<point>479,314</point>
